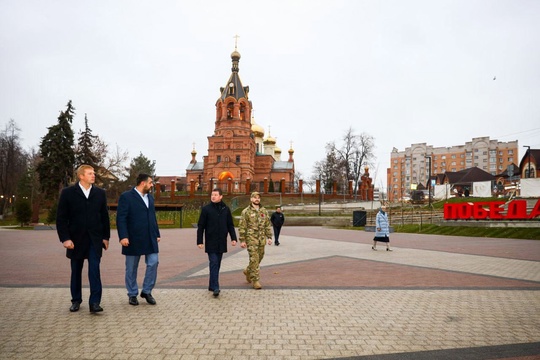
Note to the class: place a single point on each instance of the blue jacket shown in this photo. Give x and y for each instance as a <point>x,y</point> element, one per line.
<point>138,223</point>
<point>381,222</point>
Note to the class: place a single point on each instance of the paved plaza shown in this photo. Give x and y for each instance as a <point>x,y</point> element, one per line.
<point>326,295</point>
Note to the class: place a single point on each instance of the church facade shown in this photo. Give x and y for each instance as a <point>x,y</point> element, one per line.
<point>240,158</point>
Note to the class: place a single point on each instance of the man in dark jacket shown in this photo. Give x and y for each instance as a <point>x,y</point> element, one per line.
<point>82,223</point>
<point>139,235</point>
<point>215,222</point>
<point>277,219</point>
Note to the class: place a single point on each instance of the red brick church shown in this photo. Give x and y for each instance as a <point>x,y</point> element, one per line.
<point>240,159</point>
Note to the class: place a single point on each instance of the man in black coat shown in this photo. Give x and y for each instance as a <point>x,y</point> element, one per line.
<point>82,223</point>
<point>215,222</point>
<point>277,220</point>
<point>139,235</point>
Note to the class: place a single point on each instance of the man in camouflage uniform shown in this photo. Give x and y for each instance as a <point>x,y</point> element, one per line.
<point>255,230</point>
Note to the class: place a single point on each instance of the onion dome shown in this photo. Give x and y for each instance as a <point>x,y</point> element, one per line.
<point>256,129</point>
<point>269,140</point>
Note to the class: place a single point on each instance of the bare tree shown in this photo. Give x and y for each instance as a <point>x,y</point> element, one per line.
<point>13,161</point>
<point>328,170</point>
<point>363,156</point>
<point>356,152</point>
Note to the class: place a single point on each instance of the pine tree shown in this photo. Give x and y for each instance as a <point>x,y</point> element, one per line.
<point>85,153</point>
<point>58,156</point>
<point>140,165</point>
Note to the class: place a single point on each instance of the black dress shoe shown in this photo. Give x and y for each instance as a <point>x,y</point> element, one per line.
<point>133,300</point>
<point>277,243</point>
<point>149,298</point>
<point>216,293</point>
<point>94,308</point>
<point>75,306</point>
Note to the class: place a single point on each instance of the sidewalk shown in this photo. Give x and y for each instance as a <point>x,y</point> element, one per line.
<point>326,295</point>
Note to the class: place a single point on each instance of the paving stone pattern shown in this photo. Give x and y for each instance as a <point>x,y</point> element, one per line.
<point>326,295</point>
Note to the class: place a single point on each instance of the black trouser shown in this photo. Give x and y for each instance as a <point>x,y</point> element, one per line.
<point>94,277</point>
<point>277,229</point>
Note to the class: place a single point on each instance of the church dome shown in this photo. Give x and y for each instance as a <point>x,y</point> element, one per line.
<point>277,150</point>
<point>235,55</point>
<point>257,130</point>
<point>270,140</point>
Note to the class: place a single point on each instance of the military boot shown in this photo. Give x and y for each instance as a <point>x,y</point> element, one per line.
<point>247,276</point>
<point>257,285</point>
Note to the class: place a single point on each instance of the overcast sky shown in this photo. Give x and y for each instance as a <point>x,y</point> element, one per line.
<point>147,74</point>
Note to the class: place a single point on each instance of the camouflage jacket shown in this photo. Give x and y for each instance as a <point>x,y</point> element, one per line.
<point>254,225</point>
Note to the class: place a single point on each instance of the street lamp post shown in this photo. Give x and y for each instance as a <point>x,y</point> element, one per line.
<point>429,179</point>
<point>529,153</point>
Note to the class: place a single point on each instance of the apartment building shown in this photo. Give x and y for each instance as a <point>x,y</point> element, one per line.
<point>413,166</point>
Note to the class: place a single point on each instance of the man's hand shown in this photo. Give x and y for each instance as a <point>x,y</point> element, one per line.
<point>105,244</point>
<point>200,246</point>
<point>269,241</point>
<point>68,244</point>
<point>158,239</point>
<point>124,242</point>
<point>243,245</point>
<point>233,243</point>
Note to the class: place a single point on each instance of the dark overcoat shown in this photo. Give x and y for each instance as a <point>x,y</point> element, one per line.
<point>83,221</point>
<point>215,222</point>
<point>277,219</point>
<point>138,223</point>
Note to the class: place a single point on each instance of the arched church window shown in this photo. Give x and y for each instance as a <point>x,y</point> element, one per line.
<point>231,89</point>
<point>230,108</point>
<point>242,111</point>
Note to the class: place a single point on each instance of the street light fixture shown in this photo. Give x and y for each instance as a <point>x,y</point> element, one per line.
<point>529,153</point>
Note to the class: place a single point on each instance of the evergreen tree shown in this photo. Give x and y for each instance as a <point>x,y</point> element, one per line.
<point>140,165</point>
<point>58,156</point>
<point>85,153</point>
<point>23,211</point>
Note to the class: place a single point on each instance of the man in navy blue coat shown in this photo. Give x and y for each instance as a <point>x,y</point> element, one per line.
<point>215,222</point>
<point>82,223</point>
<point>139,235</point>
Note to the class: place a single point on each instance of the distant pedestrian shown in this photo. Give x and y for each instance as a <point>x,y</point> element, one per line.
<point>277,220</point>
<point>382,226</point>
<point>82,223</point>
<point>254,230</point>
<point>215,222</point>
<point>139,235</point>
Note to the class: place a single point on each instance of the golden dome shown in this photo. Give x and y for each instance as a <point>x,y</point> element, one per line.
<point>257,130</point>
<point>277,150</point>
<point>235,55</point>
<point>269,140</point>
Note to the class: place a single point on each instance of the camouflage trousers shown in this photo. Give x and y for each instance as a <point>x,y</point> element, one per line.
<point>256,254</point>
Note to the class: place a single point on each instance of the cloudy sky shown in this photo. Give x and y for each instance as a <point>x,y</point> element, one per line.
<point>147,74</point>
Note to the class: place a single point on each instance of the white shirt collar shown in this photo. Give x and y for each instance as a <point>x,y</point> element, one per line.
<point>143,196</point>
<point>86,192</point>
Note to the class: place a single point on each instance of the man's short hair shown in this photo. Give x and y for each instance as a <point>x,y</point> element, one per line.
<point>81,169</point>
<point>218,190</point>
<point>142,177</point>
